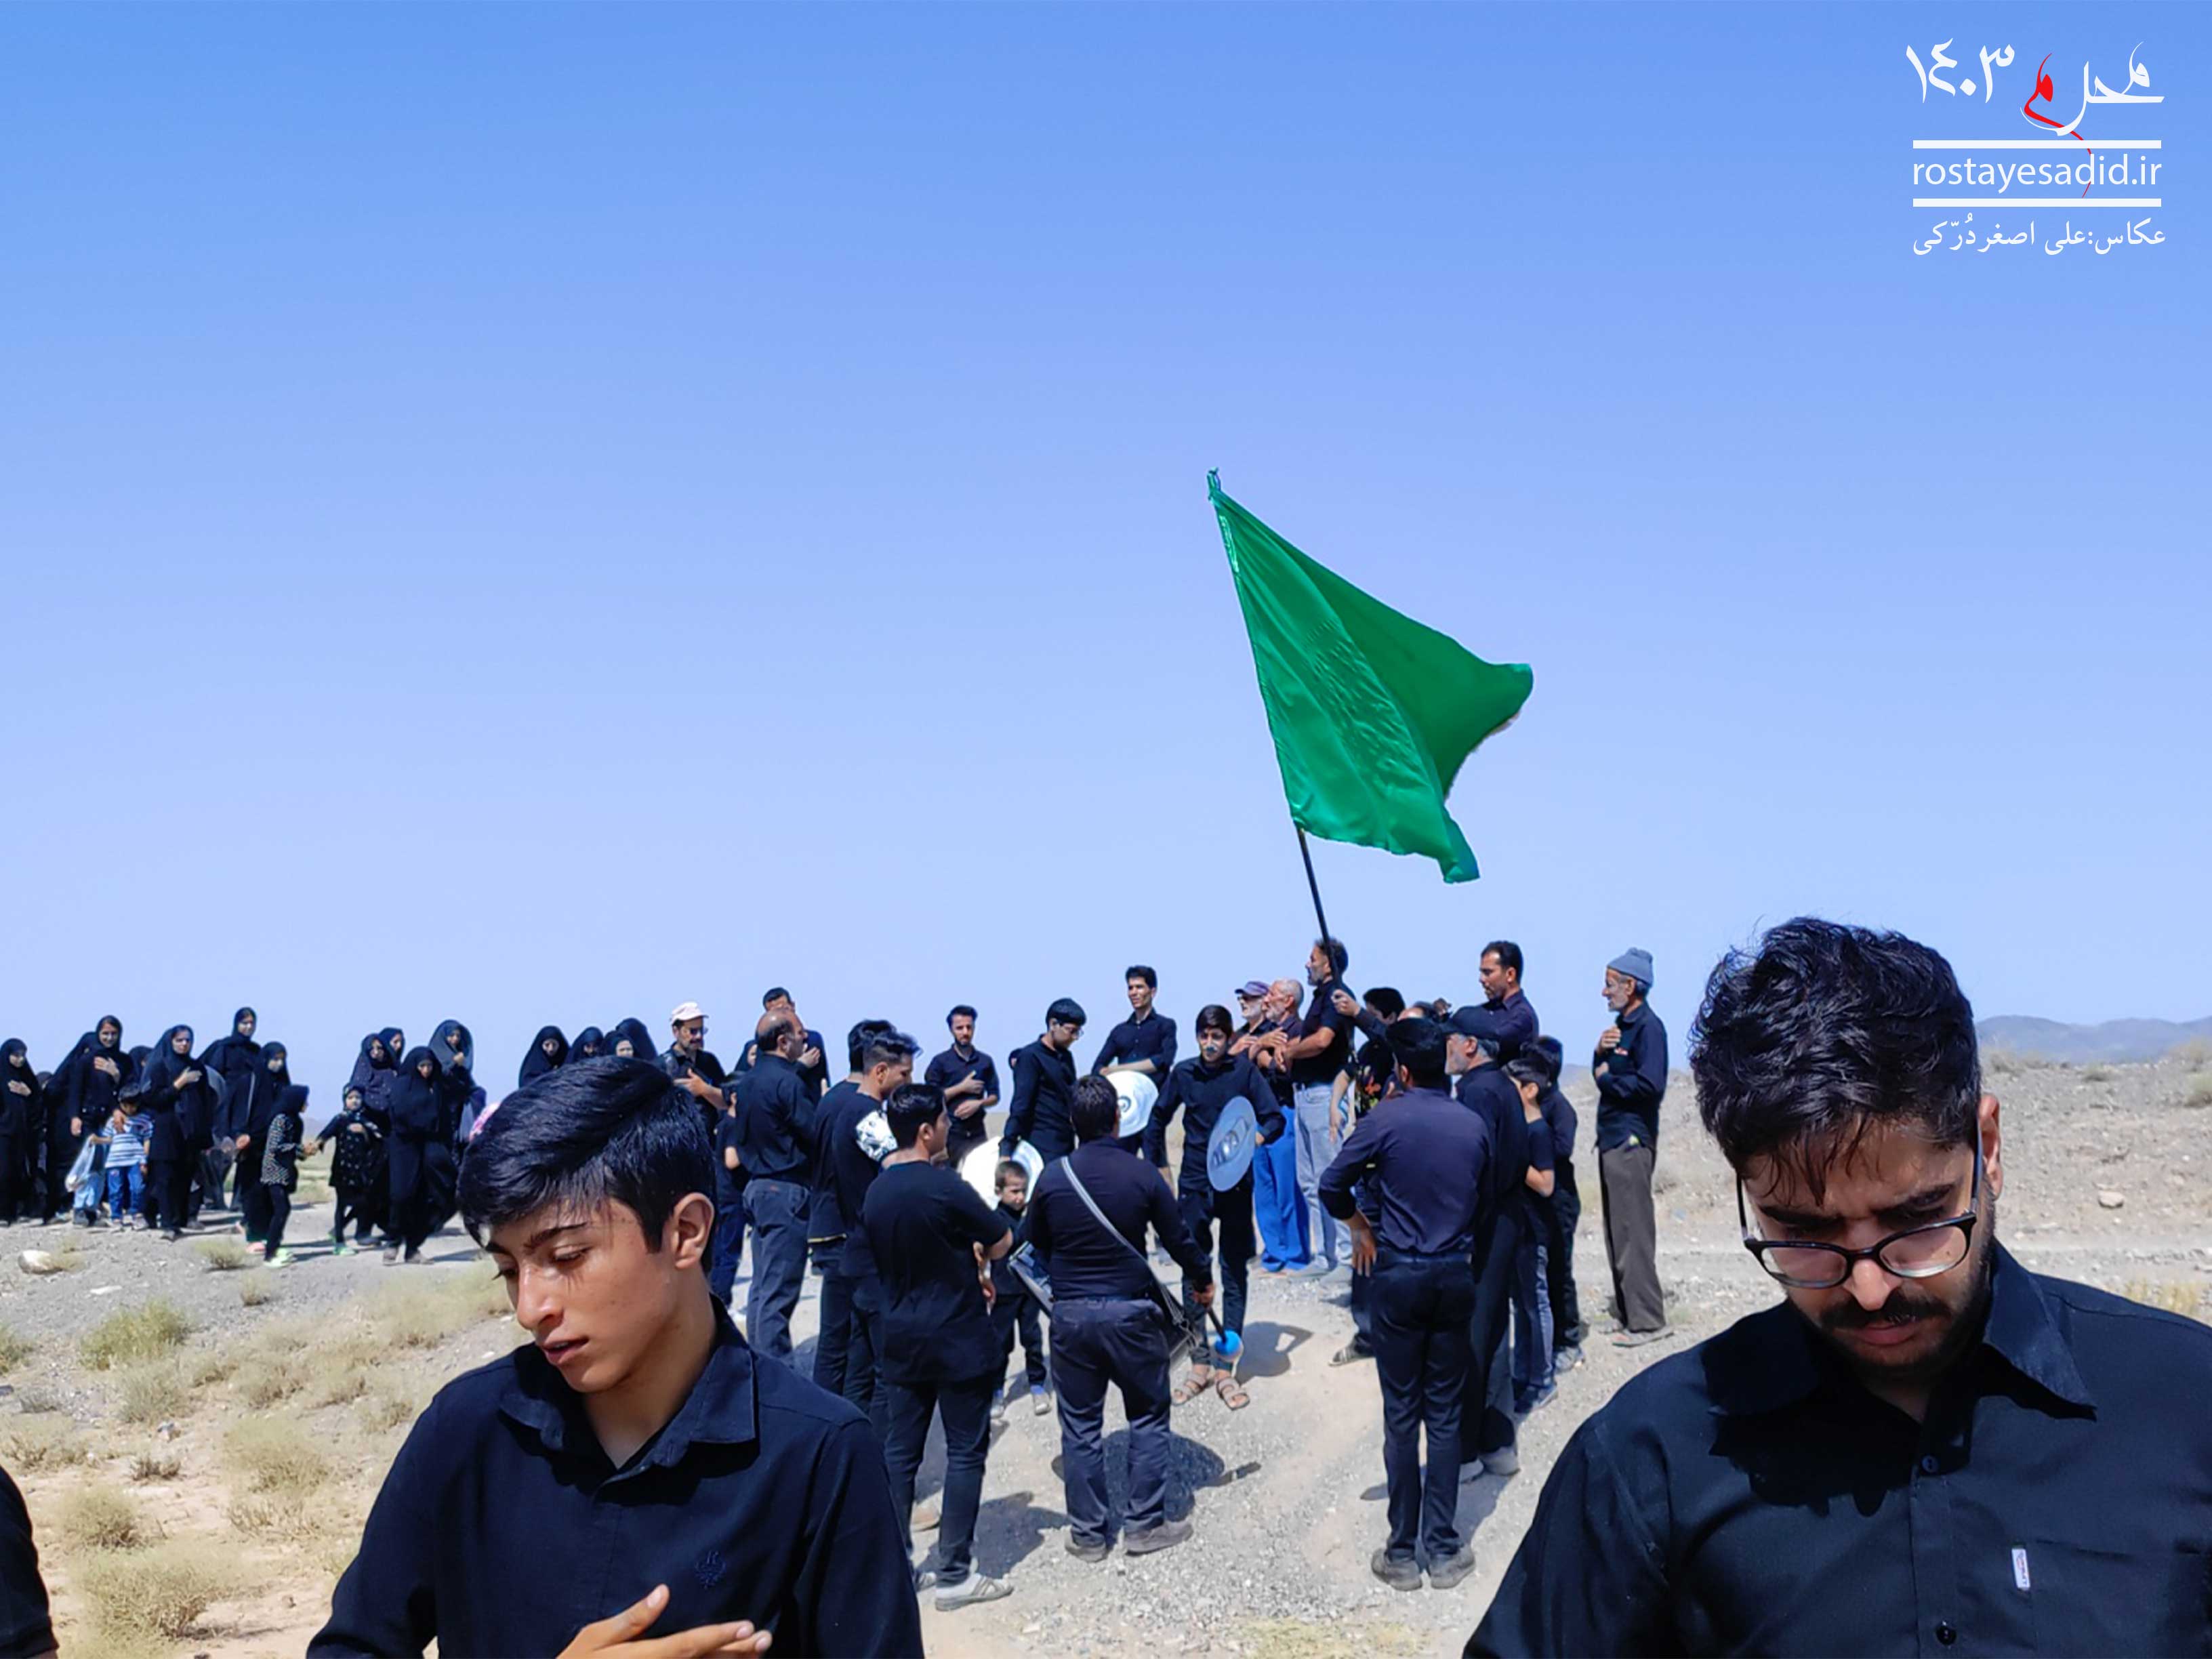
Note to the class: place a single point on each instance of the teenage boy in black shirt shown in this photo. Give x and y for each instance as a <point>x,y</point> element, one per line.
<point>970,1081</point>
<point>856,1137</point>
<point>1044,1080</point>
<point>932,1238</point>
<point>634,1448</point>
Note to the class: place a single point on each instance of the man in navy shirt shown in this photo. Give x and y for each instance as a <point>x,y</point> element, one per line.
<point>934,1239</point>
<point>1429,1158</point>
<point>1317,1052</point>
<point>1044,1083</point>
<point>775,1118</point>
<point>970,1083</point>
<point>634,1469</point>
<point>1505,1016</point>
<point>1145,1041</point>
<point>1923,1447</point>
<point>1629,1068</point>
<point>813,1058</point>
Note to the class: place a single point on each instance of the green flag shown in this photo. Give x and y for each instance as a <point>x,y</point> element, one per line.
<point>1372,713</point>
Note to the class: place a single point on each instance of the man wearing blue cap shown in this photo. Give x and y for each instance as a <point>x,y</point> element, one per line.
<point>1631,1067</point>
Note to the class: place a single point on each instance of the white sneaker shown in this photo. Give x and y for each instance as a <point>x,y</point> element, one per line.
<point>973,1589</point>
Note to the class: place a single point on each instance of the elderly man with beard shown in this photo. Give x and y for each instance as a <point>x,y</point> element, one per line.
<point>1924,1446</point>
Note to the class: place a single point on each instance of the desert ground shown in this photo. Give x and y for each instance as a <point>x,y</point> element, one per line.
<point>198,1436</point>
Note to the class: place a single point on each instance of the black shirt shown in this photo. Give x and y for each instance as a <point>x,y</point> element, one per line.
<point>776,1114</point>
<point>824,1224</point>
<point>1430,1159</point>
<point>923,1222</point>
<point>1488,1092</point>
<point>1560,1117</point>
<point>1044,1083</point>
<point>1750,1497</point>
<point>502,1528</point>
<point>1635,1082</point>
<point>1321,1013</point>
<point>702,1064</point>
<point>951,1068</point>
<point>1510,1023</point>
<point>1203,1092</point>
<point>1152,1037</point>
<point>1084,1261</point>
<point>729,1184</point>
<point>26,1626</point>
<point>853,1171</point>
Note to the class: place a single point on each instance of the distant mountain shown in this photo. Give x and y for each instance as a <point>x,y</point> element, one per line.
<point>2116,1039</point>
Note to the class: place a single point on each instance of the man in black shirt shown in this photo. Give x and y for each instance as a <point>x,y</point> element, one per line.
<point>1488,1429</point>
<point>694,1068</point>
<point>775,1117</point>
<point>970,1083</point>
<point>1106,1322</point>
<point>1203,1089</point>
<point>1145,1041</point>
<point>1564,1213</point>
<point>853,1139</point>
<point>1629,1068</point>
<point>1044,1078</point>
<point>1318,1051</point>
<point>932,1238</point>
<point>1925,1447</point>
<point>1430,1160</point>
<point>1505,1016</point>
<point>729,1150</point>
<point>634,1465</point>
<point>811,1058</point>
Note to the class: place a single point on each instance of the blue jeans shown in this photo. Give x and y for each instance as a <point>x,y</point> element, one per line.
<point>1095,1343</point>
<point>729,1245</point>
<point>778,1212</point>
<point>1532,1322</point>
<point>126,1189</point>
<point>1328,1239</point>
<point>1277,1209</point>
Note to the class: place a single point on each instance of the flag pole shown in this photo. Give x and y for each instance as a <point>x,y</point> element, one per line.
<point>1313,886</point>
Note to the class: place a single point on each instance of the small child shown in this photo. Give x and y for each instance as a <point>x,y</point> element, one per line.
<point>1014,1306</point>
<point>128,1133</point>
<point>357,1170</point>
<point>280,1173</point>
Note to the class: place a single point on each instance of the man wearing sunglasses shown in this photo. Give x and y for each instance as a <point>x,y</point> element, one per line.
<point>1925,1447</point>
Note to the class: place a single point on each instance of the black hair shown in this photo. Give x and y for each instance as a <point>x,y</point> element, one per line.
<point>1507,952</point>
<point>1385,1000</point>
<point>1067,1010</point>
<point>1525,1067</point>
<point>773,995</point>
<point>958,1009</point>
<point>857,1039</point>
<point>1339,957</point>
<point>1094,1109</point>
<point>1138,970</point>
<point>612,1131</point>
<point>1214,1017</point>
<point>1824,1032</point>
<point>913,1108</point>
<point>1377,1063</point>
<point>887,1048</point>
<point>1010,1166</point>
<point>1419,1046</point>
<point>1545,1051</point>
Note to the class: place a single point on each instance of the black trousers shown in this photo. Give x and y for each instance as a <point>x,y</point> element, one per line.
<point>965,1406</point>
<point>1017,1310</point>
<point>348,1204</point>
<point>1203,1211</point>
<point>1421,1310</point>
<point>1486,1416</point>
<point>1124,1343</point>
<point>11,1175</point>
<point>276,1207</point>
<point>864,1355</point>
<point>834,1341</point>
<point>168,1190</point>
<point>54,1194</point>
<point>254,1201</point>
<point>1566,1214</point>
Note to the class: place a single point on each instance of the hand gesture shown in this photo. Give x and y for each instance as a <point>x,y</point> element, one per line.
<point>1340,1000</point>
<point>1608,1039</point>
<point>104,1064</point>
<point>14,1087</point>
<point>1203,1295</point>
<point>187,1077</point>
<point>1363,1246</point>
<point>809,1058</point>
<point>619,1635</point>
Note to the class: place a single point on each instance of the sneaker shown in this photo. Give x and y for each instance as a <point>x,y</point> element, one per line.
<point>1565,1359</point>
<point>1448,1574</point>
<point>174,1235</point>
<point>998,1409</point>
<point>1040,1403</point>
<point>1165,1536</point>
<point>971,1589</point>
<point>391,1254</point>
<point>1351,1354</point>
<point>339,1247</point>
<point>1313,1270</point>
<point>1504,1461</point>
<point>926,1515</point>
<point>281,1259</point>
<point>1399,1575</point>
<point>1640,1338</point>
<point>1082,1551</point>
<point>1543,1397</point>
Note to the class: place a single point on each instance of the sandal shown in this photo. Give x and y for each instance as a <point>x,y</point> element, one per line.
<point>1231,1391</point>
<point>1198,1382</point>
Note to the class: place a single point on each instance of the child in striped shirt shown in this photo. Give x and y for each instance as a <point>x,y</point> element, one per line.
<point>128,1133</point>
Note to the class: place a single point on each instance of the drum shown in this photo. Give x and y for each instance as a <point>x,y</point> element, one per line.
<point>1228,1150</point>
<point>979,1169</point>
<point>1138,1095</point>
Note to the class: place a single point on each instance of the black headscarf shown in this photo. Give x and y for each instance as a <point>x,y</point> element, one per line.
<point>393,1037</point>
<point>413,1101</point>
<point>270,1090</point>
<point>446,1054</point>
<point>641,1043</point>
<point>20,1114</point>
<point>538,1062</point>
<point>590,1043</point>
<point>234,1055</point>
<point>367,1067</point>
<point>184,1113</point>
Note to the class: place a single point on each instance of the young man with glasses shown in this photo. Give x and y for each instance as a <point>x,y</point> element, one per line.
<point>1925,1446</point>
<point>1044,1086</point>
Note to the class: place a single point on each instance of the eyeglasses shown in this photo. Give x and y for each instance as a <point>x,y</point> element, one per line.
<point>1921,1252</point>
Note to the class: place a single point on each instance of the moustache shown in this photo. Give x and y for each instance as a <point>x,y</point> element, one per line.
<point>1903,1308</point>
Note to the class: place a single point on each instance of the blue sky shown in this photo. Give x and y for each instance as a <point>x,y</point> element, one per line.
<point>535,514</point>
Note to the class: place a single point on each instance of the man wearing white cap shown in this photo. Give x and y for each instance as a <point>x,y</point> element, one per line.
<point>696,1072</point>
<point>1631,1068</point>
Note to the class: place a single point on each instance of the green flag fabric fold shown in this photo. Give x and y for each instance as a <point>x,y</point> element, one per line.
<point>1373,713</point>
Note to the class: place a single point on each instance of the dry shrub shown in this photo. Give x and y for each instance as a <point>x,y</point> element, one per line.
<point>2196,1053</point>
<point>2199,1092</point>
<point>211,1366</point>
<point>148,1331</point>
<point>147,1467</point>
<point>274,1457</point>
<point>386,1410</point>
<point>274,1518</point>
<point>2096,1074</point>
<point>223,1256</point>
<point>31,1398</point>
<point>14,1348</point>
<point>33,1444</point>
<point>269,1378</point>
<point>253,1292</point>
<point>2174,1295</point>
<point>160,1592</point>
<point>154,1392</point>
<point>337,1382</point>
<point>99,1517</point>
